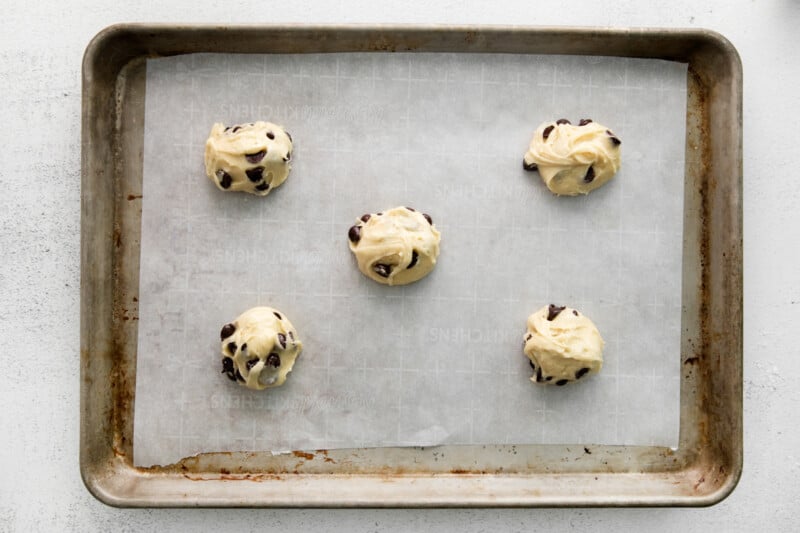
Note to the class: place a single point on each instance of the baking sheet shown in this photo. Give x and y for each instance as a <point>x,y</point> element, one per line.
<point>440,361</point>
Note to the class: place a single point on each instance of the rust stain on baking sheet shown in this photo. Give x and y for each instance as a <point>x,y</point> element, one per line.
<point>117,236</point>
<point>305,455</point>
<point>691,361</point>
<point>124,315</point>
<point>258,478</point>
<point>326,458</point>
<point>383,44</point>
<point>122,392</point>
<point>200,468</point>
<point>699,482</point>
<point>132,197</point>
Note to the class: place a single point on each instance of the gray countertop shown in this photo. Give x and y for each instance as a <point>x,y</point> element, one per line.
<point>41,47</point>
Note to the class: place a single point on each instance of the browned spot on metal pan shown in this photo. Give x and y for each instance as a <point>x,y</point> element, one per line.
<point>708,461</point>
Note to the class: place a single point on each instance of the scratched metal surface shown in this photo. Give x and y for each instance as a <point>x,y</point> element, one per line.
<point>703,469</point>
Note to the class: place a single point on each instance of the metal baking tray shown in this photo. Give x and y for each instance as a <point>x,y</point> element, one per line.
<point>704,468</point>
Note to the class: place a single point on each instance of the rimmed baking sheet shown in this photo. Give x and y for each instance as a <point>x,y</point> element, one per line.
<point>702,469</point>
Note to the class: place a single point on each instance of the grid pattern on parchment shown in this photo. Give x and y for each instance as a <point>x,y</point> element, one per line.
<point>438,361</point>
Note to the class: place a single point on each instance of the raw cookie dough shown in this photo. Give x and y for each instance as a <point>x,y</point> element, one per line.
<point>259,348</point>
<point>395,247</point>
<point>571,159</point>
<point>251,157</point>
<point>563,345</point>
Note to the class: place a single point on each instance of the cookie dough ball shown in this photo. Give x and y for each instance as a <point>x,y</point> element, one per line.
<point>395,247</point>
<point>571,159</point>
<point>251,157</point>
<point>563,345</point>
<point>259,348</point>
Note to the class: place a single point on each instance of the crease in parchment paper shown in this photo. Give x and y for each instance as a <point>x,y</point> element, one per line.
<point>439,361</point>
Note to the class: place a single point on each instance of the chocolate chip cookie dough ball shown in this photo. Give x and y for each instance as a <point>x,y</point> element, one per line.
<point>251,157</point>
<point>395,247</point>
<point>571,159</point>
<point>259,348</point>
<point>563,345</point>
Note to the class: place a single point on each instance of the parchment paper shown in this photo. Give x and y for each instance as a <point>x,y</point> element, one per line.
<point>439,361</point>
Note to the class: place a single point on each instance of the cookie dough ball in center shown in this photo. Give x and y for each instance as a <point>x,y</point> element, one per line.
<point>259,348</point>
<point>563,345</point>
<point>572,159</point>
<point>395,247</point>
<point>251,157</point>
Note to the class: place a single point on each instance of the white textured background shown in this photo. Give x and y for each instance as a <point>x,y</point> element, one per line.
<point>41,44</point>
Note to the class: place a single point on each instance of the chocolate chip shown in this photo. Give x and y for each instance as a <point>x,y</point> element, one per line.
<point>589,177</point>
<point>228,128</point>
<point>553,311</point>
<point>410,209</point>
<point>237,128</point>
<point>288,135</point>
<point>546,132</point>
<point>365,218</point>
<point>428,218</point>
<point>563,121</point>
<point>224,178</point>
<point>584,121</point>
<point>227,331</point>
<point>549,378</point>
<point>614,138</point>
<point>227,368</point>
<point>255,174</point>
<point>580,373</point>
<point>270,135</point>
<point>274,359</point>
<point>532,365</point>
<point>291,335</point>
<point>574,312</point>
<point>378,214</point>
<point>354,234</point>
<point>256,157</point>
<point>529,166</point>
<point>251,363</point>
<point>262,186</point>
<point>382,270</point>
<point>538,374</point>
<point>562,382</point>
<point>282,340</point>
<point>232,347</point>
<point>238,375</point>
<point>287,157</point>
<point>414,259</point>
<point>528,337</point>
<point>277,315</point>
<point>244,347</point>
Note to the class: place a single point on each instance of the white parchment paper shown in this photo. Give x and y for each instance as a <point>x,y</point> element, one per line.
<point>439,361</point>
